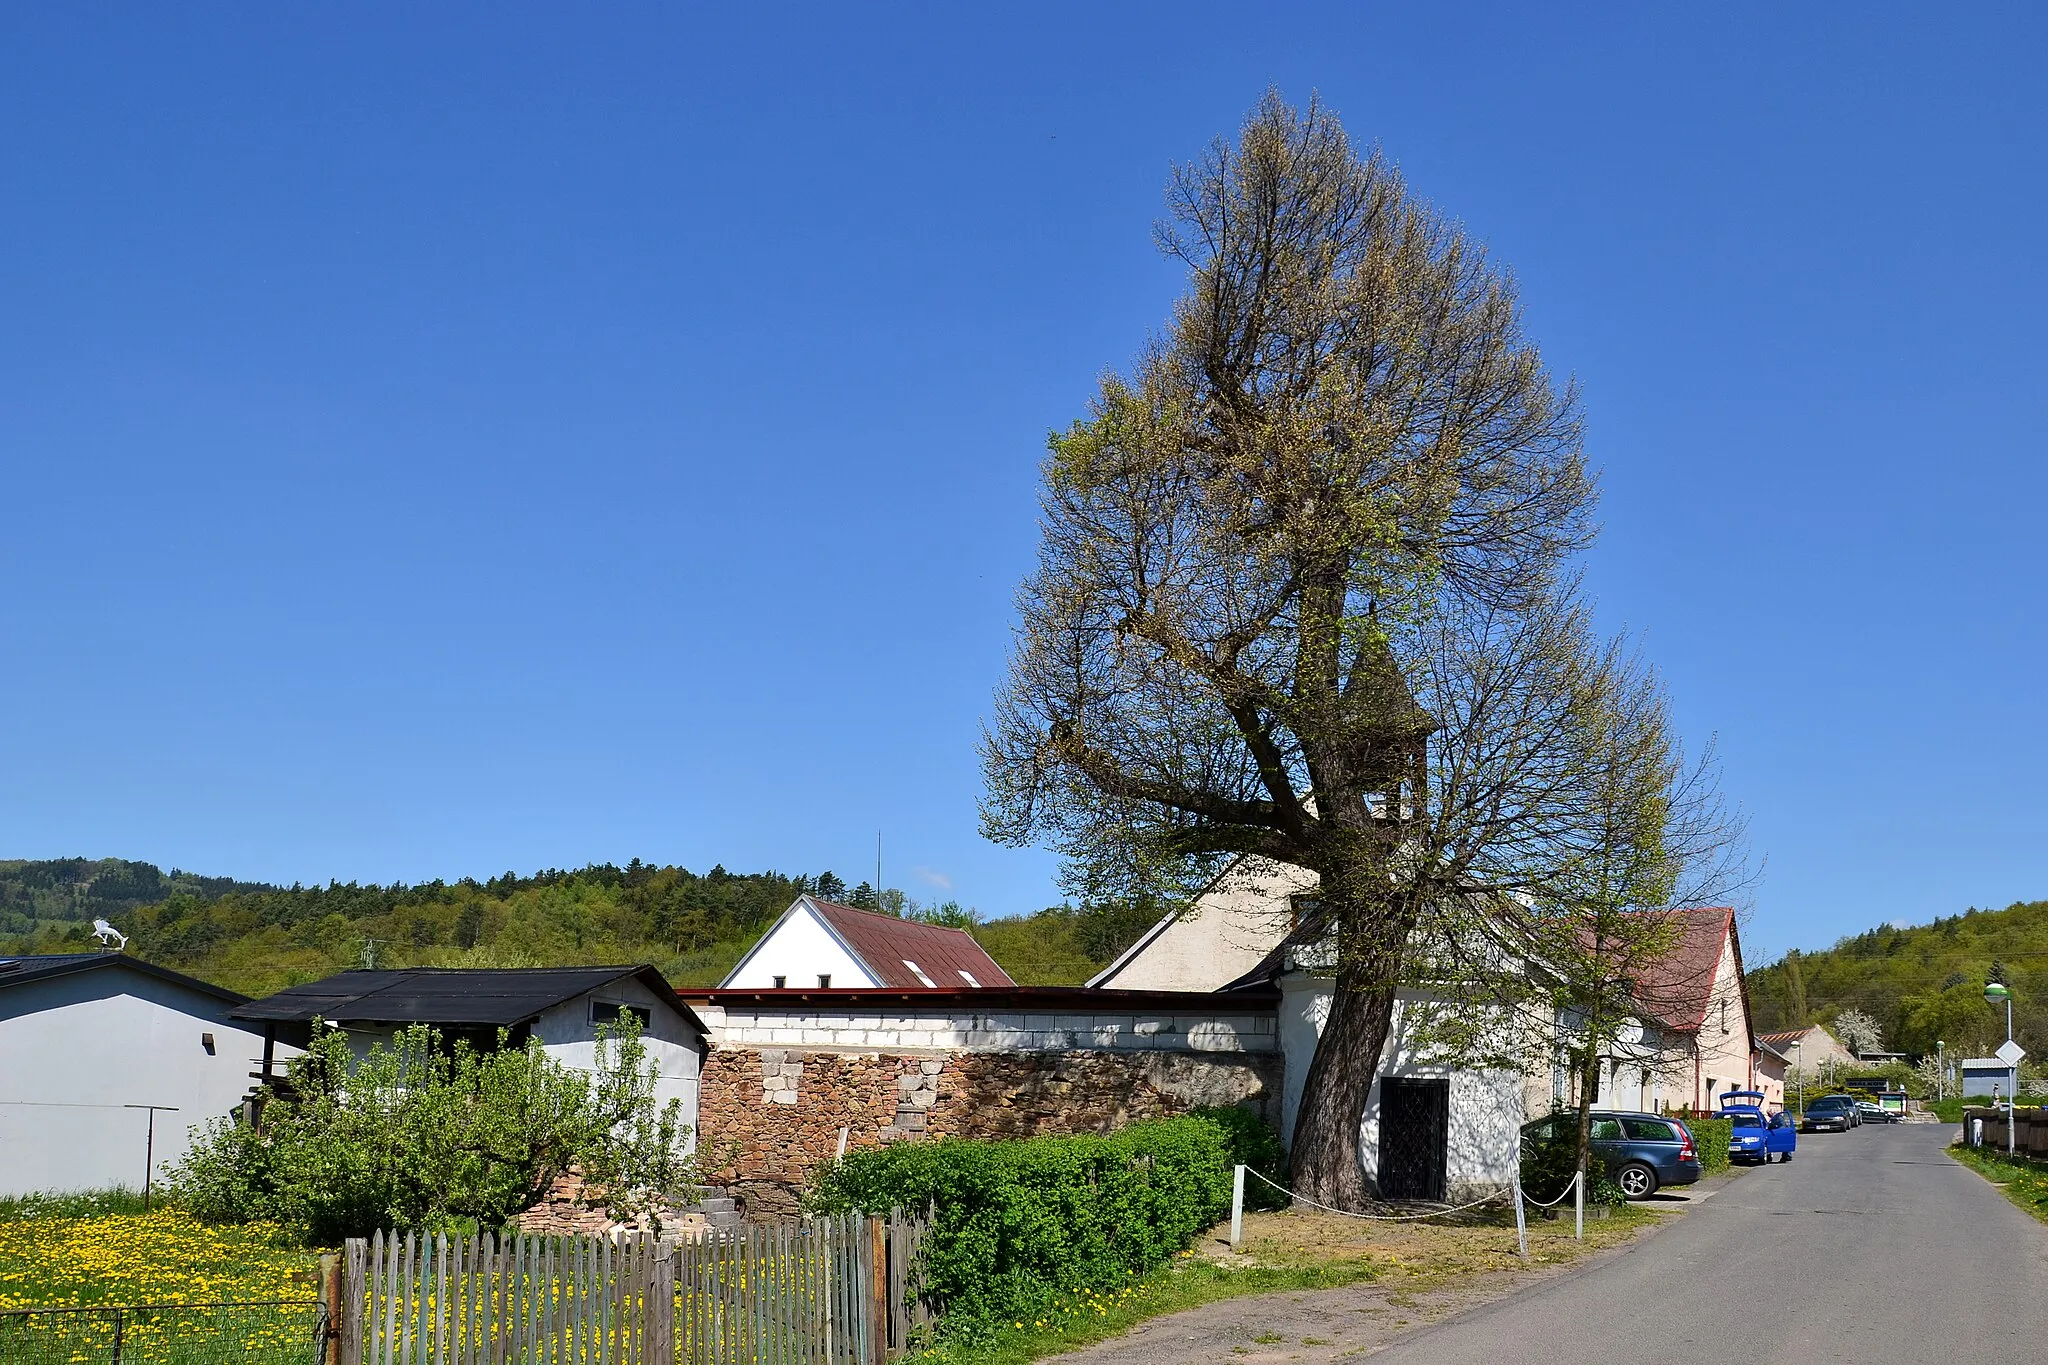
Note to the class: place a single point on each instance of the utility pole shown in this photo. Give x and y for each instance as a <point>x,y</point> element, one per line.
<point>149,1146</point>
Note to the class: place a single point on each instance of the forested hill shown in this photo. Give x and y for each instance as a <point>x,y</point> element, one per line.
<point>694,926</point>
<point>80,890</point>
<point>1922,983</point>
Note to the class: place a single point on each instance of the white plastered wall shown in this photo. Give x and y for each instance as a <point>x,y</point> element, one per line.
<point>75,1049</point>
<point>1487,1107</point>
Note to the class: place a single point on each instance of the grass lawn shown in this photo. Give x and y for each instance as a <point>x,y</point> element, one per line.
<point>1292,1251</point>
<point>2020,1179</point>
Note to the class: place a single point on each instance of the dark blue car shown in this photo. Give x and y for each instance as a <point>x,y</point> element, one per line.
<point>1643,1152</point>
<point>1755,1135</point>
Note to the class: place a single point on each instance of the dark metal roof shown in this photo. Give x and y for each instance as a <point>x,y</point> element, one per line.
<point>16,971</point>
<point>487,996</point>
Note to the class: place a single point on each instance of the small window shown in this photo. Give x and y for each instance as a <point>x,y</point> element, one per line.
<point>780,982</point>
<point>1606,1130</point>
<point>918,972</point>
<point>824,981</point>
<point>206,1041</point>
<point>608,1011</point>
<point>968,977</point>
<point>1649,1130</point>
<point>1724,1016</point>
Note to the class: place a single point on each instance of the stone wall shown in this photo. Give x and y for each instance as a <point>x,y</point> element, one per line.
<point>769,1116</point>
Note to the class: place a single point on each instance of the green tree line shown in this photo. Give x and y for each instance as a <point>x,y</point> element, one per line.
<point>1923,984</point>
<point>693,926</point>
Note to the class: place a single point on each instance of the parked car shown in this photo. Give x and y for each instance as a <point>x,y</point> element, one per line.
<point>1643,1152</point>
<point>1829,1115</point>
<point>1869,1111</point>
<point>1855,1114</point>
<point>1754,1135</point>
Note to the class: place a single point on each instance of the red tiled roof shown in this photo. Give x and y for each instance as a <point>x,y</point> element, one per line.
<point>1677,988</point>
<point>1784,1037</point>
<point>949,958</point>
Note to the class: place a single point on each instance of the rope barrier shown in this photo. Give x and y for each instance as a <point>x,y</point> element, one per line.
<point>1577,1176</point>
<point>1375,1217</point>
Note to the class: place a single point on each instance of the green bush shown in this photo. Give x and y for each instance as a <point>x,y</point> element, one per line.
<point>1547,1172</point>
<point>1252,1142</point>
<point>422,1136</point>
<point>1711,1137</point>
<point>1017,1224</point>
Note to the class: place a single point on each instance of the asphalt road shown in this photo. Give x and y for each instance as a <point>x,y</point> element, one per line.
<point>1869,1246</point>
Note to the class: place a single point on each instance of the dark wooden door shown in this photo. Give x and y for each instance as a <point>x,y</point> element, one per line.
<point>1415,1132</point>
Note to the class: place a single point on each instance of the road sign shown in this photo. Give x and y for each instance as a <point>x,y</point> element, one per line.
<point>2010,1053</point>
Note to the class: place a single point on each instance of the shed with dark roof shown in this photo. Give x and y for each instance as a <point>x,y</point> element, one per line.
<point>561,1007</point>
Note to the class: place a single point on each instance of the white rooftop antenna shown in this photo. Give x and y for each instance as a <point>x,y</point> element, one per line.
<point>107,934</point>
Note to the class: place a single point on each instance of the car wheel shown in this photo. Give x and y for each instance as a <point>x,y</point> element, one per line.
<point>1637,1181</point>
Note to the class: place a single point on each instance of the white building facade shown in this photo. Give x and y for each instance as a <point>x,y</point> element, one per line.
<point>86,1037</point>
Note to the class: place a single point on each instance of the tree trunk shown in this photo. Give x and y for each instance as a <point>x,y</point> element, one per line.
<point>1326,1162</point>
<point>1589,1083</point>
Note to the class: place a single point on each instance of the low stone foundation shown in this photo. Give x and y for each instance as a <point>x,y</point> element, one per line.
<point>769,1117</point>
<point>563,1213</point>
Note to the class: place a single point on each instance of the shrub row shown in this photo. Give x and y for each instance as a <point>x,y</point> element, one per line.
<point>1711,1137</point>
<point>1017,1224</point>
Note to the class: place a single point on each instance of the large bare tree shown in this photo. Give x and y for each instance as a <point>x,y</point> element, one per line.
<point>1342,461</point>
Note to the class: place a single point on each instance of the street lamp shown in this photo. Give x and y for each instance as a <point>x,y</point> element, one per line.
<point>1998,993</point>
<point>1799,1071</point>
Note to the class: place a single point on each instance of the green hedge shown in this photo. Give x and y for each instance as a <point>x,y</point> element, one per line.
<point>1251,1141</point>
<point>1711,1137</point>
<point>1017,1224</point>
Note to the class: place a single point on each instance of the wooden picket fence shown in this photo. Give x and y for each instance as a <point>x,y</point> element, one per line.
<point>824,1291</point>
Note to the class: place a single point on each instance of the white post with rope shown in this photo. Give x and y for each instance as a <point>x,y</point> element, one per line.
<point>1579,1204</point>
<point>1236,1205</point>
<point>1521,1219</point>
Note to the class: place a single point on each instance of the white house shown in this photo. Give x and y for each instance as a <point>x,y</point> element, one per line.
<point>1431,1124</point>
<point>87,1037</point>
<point>822,945</point>
<point>563,1007</point>
<point>1431,1129</point>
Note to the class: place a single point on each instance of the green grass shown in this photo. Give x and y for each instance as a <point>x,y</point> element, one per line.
<point>78,1204</point>
<point>1087,1318</point>
<point>2021,1179</point>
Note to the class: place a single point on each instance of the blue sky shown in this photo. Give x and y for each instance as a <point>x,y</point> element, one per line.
<point>511,437</point>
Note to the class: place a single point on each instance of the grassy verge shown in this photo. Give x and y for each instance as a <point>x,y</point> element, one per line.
<point>1292,1251</point>
<point>80,1204</point>
<point>2022,1180</point>
<point>1088,1318</point>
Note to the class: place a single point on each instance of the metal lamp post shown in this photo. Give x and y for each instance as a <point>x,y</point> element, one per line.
<point>1997,992</point>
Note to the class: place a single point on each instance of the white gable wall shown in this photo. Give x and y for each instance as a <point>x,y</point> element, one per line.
<point>1225,933</point>
<point>799,948</point>
<point>75,1048</point>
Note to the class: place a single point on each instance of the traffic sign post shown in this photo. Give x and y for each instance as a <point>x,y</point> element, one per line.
<point>2011,1054</point>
